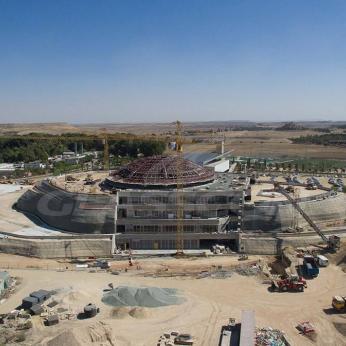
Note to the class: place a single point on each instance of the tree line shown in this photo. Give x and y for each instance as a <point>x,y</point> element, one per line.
<point>325,139</point>
<point>30,149</point>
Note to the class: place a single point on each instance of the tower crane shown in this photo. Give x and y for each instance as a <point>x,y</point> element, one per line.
<point>179,191</point>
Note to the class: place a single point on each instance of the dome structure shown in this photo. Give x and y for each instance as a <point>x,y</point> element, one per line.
<point>160,172</point>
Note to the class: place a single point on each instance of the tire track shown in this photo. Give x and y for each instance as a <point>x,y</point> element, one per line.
<point>211,327</point>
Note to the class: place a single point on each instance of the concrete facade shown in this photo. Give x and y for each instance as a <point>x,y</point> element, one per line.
<point>327,210</point>
<point>144,219</point>
<point>153,213</point>
<point>70,212</point>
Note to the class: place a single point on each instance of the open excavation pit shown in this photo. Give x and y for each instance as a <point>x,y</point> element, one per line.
<point>150,297</point>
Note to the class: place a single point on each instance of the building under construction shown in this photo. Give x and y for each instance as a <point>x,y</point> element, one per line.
<point>138,203</point>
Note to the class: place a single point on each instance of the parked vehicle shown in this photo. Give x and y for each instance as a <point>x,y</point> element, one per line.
<point>310,268</point>
<point>306,327</point>
<point>184,339</point>
<point>243,257</point>
<point>322,261</point>
<point>295,284</point>
<point>339,303</point>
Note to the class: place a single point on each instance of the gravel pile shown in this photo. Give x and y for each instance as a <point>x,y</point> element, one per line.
<point>150,297</point>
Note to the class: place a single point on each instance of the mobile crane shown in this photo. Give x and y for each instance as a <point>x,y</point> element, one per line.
<point>332,242</point>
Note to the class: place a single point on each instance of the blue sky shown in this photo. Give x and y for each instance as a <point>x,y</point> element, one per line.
<point>159,60</point>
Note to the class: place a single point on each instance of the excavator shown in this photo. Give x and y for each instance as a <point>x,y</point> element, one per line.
<point>332,242</point>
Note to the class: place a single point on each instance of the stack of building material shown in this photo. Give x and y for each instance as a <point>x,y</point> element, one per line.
<point>52,320</point>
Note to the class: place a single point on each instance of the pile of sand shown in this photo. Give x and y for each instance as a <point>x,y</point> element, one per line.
<point>120,312</point>
<point>66,338</point>
<point>126,311</point>
<point>150,297</point>
<point>96,334</point>
<point>139,313</point>
<point>72,297</point>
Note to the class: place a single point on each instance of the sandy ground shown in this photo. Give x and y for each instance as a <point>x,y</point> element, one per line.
<point>210,302</point>
<point>79,184</point>
<point>13,221</point>
<point>303,192</point>
<point>10,219</point>
<point>147,265</point>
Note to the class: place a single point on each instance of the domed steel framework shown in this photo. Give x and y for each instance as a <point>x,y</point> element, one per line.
<point>161,172</point>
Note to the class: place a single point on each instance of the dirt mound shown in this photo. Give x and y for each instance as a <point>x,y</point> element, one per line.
<point>125,311</point>
<point>139,313</point>
<point>142,296</point>
<point>120,312</point>
<point>72,297</point>
<point>339,258</point>
<point>97,334</point>
<point>66,338</point>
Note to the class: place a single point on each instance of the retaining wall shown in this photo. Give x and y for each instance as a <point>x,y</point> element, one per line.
<point>273,246</point>
<point>57,248</point>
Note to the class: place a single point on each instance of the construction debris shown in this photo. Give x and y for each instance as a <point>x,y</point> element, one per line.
<point>13,327</point>
<point>270,337</point>
<point>247,270</point>
<point>175,338</point>
<point>220,273</point>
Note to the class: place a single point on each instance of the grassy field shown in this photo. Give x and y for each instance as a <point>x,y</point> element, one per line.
<point>268,143</point>
<point>274,144</point>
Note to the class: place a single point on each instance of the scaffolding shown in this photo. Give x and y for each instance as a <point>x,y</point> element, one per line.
<point>163,171</point>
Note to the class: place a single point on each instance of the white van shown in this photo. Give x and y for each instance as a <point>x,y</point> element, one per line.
<point>322,261</point>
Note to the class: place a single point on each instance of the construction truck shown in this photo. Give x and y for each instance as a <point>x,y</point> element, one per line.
<point>310,268</point>
<point>293,284</point>
<point>218,249</point>
<point>339,303</point>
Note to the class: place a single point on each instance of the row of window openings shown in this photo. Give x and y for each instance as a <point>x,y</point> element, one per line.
<point>172,200</point>
<point>163,244</point>
<point>122,213</point>
<point>172,229</point>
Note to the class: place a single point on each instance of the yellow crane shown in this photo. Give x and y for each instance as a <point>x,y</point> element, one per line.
<point>179,191</point>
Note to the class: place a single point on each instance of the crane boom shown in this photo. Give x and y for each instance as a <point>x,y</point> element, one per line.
<point>333,242</point>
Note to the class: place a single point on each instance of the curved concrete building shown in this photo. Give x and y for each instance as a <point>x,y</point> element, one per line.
<point>68,211</point>
<point>138,203</point>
